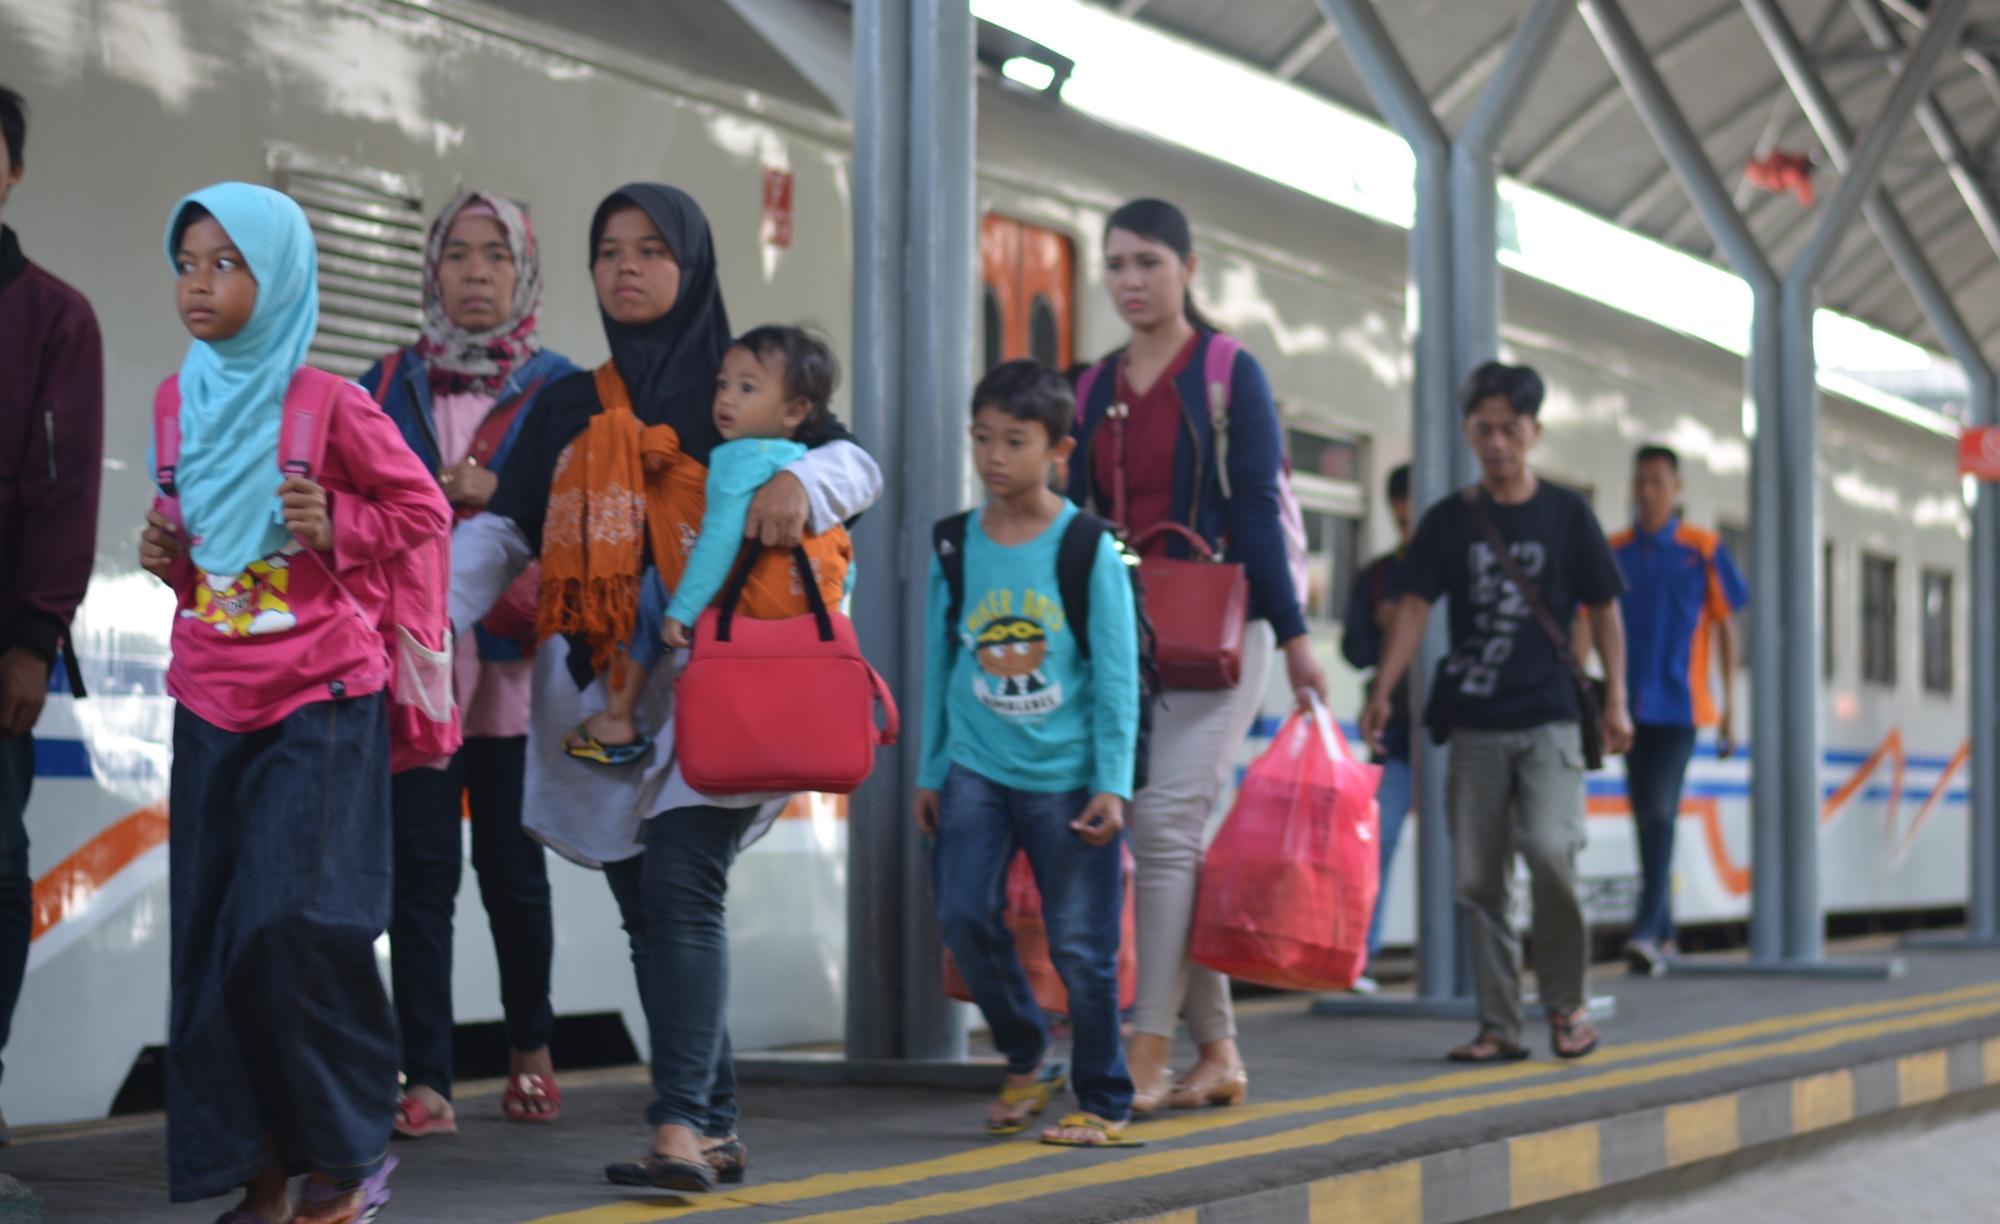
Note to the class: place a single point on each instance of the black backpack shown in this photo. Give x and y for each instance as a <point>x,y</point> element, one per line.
<point>1074,560</point>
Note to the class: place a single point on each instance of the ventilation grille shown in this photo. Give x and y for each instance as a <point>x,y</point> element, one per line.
<point>369,225</point>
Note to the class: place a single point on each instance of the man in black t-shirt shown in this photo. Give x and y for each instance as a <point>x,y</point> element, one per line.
<point>1506,700</point>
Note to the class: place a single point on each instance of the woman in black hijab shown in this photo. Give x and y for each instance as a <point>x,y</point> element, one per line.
<point>653,263</point>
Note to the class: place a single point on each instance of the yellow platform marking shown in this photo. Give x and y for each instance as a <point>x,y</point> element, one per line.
<point>1821,1101</point>
<point>1922,1077</point>
<point>1699,1130</point>
<point>1553,1164</point>
<point>997,1156</point>
<point>1992,1060</point>
<point>1191,1215</point>
<point>1394,1195</point>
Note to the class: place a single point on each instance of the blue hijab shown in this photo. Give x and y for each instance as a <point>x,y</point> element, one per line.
<point>233,391</point>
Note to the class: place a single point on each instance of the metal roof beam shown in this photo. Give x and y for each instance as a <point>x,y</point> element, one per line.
<point>1306,50</point>
<point>1607,102</point>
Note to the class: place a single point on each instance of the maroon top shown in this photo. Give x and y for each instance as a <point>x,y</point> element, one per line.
<point>51,450</point>
<point>1152,433</point>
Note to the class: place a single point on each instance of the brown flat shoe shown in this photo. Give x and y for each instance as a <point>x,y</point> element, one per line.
<point>1489,1047</point>
<point>1231,1089</point>
<point>1571,1034</point>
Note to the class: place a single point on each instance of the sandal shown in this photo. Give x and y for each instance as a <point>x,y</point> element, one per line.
<point>1489,1047</point>
<point>1036,1096</point>
<point>1113,1132</point>
<point>414,1120</point>
<point>599,753</point>
<point>374,1196</point>
<point>1566,1028</point>
<point>1231,1089</point>
<point>526,1090</point>
<point>730,1158</point>
<point>663,1172</point>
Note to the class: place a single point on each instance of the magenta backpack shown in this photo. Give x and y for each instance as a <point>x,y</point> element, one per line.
<point>1216,370</point>
<point>414,622</point>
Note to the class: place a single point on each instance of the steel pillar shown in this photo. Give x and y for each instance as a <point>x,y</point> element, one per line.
<point>1907,254</point>
<point>1804,926</point>
<point>914,236</point>
<point>1682,149</point>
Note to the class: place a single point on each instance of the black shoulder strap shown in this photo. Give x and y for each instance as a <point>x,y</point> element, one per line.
<point>948,542</point>
<point>1074,560</point>
<point>1503,555</point>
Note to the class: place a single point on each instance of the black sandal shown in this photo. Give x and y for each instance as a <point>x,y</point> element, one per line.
<point>729,1159</point>
<point>1565,1025</point>
<point>664,1173</point>
<point>1489,1047</point>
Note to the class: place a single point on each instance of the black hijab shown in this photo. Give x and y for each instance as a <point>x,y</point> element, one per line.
<point>668,365</point>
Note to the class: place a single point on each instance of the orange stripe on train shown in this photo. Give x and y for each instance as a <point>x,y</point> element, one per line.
<point>75,880</point>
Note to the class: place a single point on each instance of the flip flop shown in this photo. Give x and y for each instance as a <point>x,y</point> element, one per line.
<point>663,1172</point>
<point>1564,1025</point>
<point>374,1196</point>
<point>599,753</point>
<point>524,1090</point>
<point>414,1120</point>
<point>731,1159</point>
<point>1114,1136</point>
<point>1489,1047</point>
<point>1055,1073</point>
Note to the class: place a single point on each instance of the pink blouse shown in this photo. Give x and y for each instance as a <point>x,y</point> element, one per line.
<point>493,696</point>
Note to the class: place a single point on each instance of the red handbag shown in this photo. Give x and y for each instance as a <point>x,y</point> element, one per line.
<point>778,705</point>
<point>1198,608</point>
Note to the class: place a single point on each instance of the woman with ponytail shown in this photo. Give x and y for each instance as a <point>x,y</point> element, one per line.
<point>1216,472</point>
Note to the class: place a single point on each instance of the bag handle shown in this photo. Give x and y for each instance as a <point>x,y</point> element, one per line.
<point>1503,553</point>
<point>1196,545</point>
<point>746,560</point>
<point>885,735</point>
<point>1331,737</point>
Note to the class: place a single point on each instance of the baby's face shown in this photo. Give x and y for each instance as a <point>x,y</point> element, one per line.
<point>750,399</point>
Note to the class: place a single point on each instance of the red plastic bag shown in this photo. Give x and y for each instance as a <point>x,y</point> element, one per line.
<point>1289,884</point>
<point>1031,941</point>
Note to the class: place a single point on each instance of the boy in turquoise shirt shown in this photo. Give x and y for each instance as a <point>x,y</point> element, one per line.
<point>1029,740</point>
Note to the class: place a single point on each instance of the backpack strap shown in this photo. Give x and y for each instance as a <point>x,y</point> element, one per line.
<point>948,542</point>
<point>1085,384</point>
<point>302,430</point>
<point>389,364</point>
<point>1076,556</point>
<point>1217,372</point>
<point>167,435</point>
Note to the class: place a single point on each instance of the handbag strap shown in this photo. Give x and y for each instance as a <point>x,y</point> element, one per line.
<point>1503,554</point>
<point>739,577</point>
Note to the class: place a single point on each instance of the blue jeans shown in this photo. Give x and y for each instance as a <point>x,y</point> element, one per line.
<point>671,899</point>
<point>1393,797</point>
<point>484,779</point>
<point>17,887</point>
<point>280,856</point>
<point>981,823</point>
<point>1654,771</point>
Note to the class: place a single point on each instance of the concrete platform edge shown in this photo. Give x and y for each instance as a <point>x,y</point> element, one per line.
<point>972,1074</point>
<point>1542,1167</point>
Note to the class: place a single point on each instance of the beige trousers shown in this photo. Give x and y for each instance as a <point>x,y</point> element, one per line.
<point>1195,739</point>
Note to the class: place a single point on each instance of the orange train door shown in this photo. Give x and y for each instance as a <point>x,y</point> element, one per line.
<point>1028,277</point>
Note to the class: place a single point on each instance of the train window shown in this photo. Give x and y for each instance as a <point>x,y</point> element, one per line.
<point>1044,336</point>
<point>369,226</point>
<point>996,330</point>
<point>1826,620</point>
<point>1878,620</point>
<point>1937,631</point>
<point>1333,555</point>
<point>1334,458</point>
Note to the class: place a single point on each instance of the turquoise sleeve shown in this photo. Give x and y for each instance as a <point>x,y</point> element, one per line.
<point>735,473</point>
<point>939,650</point>
<point>1114,671</point>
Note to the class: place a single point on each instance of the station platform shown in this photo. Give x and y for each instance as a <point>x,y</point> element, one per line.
<point>1351,1119</point>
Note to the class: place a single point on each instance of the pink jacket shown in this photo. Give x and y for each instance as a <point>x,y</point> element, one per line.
<point>248,654</point>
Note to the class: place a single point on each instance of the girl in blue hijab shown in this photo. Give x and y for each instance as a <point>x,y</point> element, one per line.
<point>281,1046</point>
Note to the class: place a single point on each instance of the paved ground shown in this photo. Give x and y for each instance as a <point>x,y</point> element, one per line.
<point>1946,1175</point>
<point>1328,1095</point>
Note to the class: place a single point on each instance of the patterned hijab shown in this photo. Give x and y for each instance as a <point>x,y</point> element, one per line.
<point>459,360</point>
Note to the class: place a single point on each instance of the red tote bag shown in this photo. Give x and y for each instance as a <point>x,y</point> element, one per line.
<point>1288,886</point>
<point>778,705</point>
<point>1031,941</point>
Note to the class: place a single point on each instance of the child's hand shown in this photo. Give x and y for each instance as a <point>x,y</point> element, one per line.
<point>925,808</point>
<point>1100,820</point>
<point>160,545</point>
<point>674,634</point>
<point>307,515</point>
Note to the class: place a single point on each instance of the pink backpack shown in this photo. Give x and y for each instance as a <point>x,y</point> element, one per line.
<point>1217,367</point>
<point>423,711</point>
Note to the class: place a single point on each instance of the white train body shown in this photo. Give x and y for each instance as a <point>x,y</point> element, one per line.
<point>133,105</point>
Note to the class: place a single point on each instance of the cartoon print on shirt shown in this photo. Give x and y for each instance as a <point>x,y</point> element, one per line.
<point>251,603</point>
<point>1499,613</point>
<point>1010,648</point>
